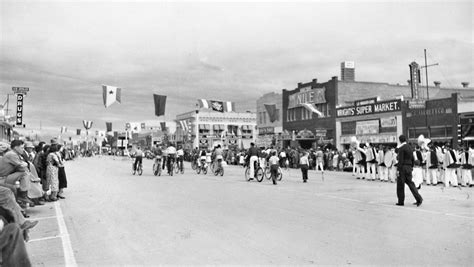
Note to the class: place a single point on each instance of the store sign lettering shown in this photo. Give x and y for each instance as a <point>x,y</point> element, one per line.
<point>315,96</point>
<point>379,107</point>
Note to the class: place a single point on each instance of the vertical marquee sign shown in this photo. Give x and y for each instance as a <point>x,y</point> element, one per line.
<point>19,109</point>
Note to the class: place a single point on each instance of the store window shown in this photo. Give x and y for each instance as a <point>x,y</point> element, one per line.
<point>218,129</point>
<point>204,129</point>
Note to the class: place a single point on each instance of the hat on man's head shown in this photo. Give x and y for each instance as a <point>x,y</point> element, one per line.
<point>16,143</point>
<point>54,141</point>
<point>29,144</point>
<point>4,147</point>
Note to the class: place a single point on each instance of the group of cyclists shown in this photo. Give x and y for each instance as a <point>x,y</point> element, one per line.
<point>163,157</point>
<point>257,162</point>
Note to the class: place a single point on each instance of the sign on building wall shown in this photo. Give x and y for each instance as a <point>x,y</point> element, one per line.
<point>388,122</point>
<point>367,127</point>
<point>374,108</point>
<point>19,109</point>
<point>266,130</point>
<point>307,95</point>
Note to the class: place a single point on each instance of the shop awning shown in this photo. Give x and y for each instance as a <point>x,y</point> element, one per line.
<point>204,127</point>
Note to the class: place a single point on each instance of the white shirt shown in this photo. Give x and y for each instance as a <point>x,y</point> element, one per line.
<point>171,150</point>
<point>180,152</point>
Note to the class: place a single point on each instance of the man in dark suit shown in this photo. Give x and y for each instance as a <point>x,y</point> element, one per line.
<point>405,168</point>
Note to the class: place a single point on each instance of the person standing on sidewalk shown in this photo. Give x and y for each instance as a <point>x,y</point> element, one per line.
<point>405,169</point>
<point>52,171</point>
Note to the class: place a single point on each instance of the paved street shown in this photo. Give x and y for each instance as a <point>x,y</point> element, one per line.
<point>111,217</point>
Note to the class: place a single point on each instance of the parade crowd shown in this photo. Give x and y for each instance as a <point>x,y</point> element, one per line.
<point>30,175</point>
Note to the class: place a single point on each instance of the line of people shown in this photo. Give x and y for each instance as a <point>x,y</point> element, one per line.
<point>27,174</point>
<point>434,163</point>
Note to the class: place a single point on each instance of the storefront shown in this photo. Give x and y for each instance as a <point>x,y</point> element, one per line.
<point>309,114</point>
<point>437,120</point>
<point>376,123</point>
<point>6,132</point>
<point>269,120</point>
<point>207,129</point>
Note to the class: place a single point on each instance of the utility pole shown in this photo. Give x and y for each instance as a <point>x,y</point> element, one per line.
<point>426,71</point>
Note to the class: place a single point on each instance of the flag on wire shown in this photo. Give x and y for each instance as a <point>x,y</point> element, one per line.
<point>160,104</point>
<point>63,129</point>
<point>183,125</point>
<point>108,125</point>
<point>312,108</point>
<point>272,111</point>
<point>111,94</point>
<point>87,124</point>
<point>220,106</point>
<point>78,131</point>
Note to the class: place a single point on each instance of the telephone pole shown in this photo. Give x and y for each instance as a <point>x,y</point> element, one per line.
<point>426,71</point>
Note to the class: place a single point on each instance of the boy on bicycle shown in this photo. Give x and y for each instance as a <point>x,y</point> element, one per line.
<point>274,165</point>
<point>180,154</point>
<point>138,158</point>
<point>218,157</point>
<point>171,157</point>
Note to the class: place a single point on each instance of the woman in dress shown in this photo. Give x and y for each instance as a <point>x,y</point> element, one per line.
<point>52,163</point>
<point>61,172</point>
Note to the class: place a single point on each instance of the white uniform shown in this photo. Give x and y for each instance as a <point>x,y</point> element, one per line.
<point>467,162</point>
<point>417,171</point>
<point>450,169</point>
<point>371,162</point>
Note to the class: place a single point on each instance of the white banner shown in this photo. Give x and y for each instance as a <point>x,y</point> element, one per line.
<point>388,122</point>
<point>367,127</point>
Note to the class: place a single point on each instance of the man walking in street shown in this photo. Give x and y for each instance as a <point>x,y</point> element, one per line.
<point>405,169</point>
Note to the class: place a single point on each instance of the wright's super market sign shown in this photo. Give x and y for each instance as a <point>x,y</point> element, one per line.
<point>373,108</point>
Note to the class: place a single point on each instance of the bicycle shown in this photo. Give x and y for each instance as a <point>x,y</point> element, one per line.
<point>219,169</point>
<point>258,172</point>
<point>157,167</point>
<point>178,166</point>
<point>139,169</point>
<point>202,168</point>
<point>268,173</point>
<point>194,164</point>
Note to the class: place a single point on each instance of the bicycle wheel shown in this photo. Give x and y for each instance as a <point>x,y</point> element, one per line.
<point>268,173</point>
<point>205,170</point>
<point>198,170</point>
<point>222,171</point>
<point>279,175</point>
<point>182,169</point>
<point>140,170</point>
<point>193,165</point>
<point>247,174</point>
<point>259,174</point>
<point>216,172</point>
<point>176,169</point>
<point>155,170</point>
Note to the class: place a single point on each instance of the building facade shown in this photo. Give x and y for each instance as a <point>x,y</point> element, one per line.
<point>269,120</point>
<point>206,129</point>
<point>301,126</point>
<point>370,121</point>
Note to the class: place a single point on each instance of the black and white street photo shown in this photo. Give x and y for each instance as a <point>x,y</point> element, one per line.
<point>151,133</point>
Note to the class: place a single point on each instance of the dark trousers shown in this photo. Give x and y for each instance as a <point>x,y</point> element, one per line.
<point>171,159</point>
<point>304,171</point>
<point>165,162</point>
<point>180,162</point>
<point>274,172</point>
<point>137,160</point>
<point>13,247</point>
<point>405,177</point>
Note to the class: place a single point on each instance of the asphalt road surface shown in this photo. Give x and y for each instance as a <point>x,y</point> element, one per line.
<point>111,217</point>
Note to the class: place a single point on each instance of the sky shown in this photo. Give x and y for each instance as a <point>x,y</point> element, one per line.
<point>65,51</point>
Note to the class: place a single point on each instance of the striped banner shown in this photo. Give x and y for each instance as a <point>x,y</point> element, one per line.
<point>87,124</point>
